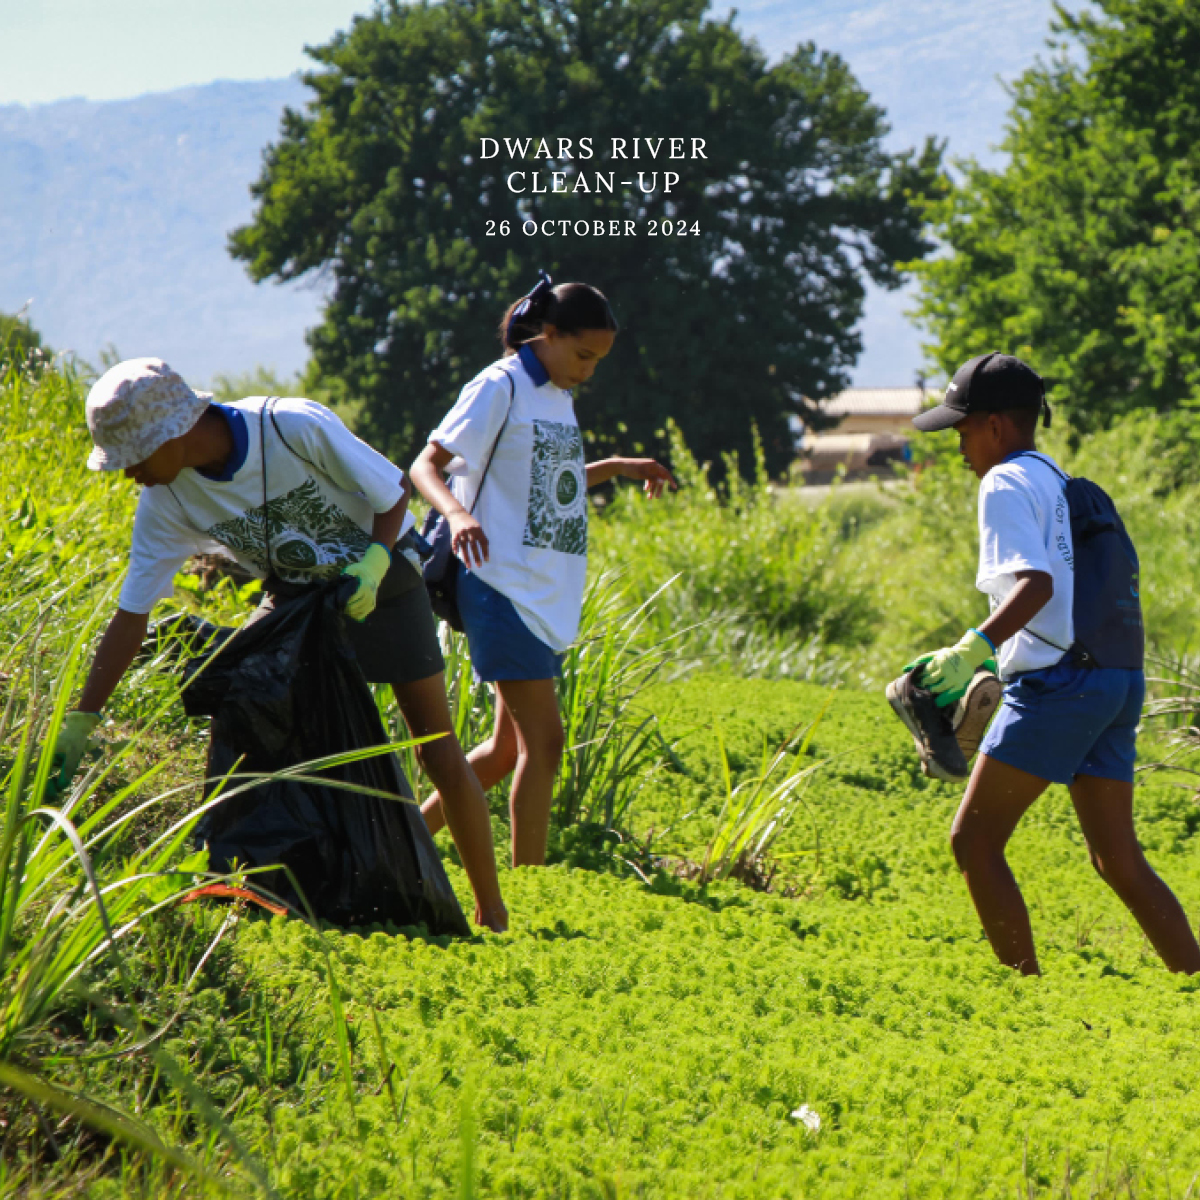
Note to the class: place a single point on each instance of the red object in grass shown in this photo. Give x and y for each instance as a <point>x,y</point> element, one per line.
<point>223,891</point>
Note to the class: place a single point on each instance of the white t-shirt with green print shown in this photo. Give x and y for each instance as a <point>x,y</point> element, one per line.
<point>533,507</point>
<point>323,495</point>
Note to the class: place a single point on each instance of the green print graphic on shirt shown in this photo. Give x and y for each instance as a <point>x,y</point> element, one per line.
<point>558,514</point>
<point>310,538</point>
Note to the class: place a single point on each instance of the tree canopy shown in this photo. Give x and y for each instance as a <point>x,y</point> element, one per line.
<point>383,185</point>
<point>1082,255</point>
<point>18,340</point>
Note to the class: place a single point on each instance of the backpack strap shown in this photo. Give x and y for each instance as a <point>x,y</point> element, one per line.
<point>1034,633</point>
<point>512,395</point>
<point>279,434</point>
<point>1039,458</point>
<point>262,443</point>
<point>1065,479</point>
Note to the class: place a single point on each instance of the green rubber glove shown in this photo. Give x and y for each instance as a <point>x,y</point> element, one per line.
<point>369,571</point>
<point>73,735</point>
<point>947,672</point>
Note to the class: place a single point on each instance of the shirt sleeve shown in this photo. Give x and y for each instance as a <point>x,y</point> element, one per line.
<point>162,542</point>
<point>470,428</point>
<point>319,437</point>
<point>1010,532</point>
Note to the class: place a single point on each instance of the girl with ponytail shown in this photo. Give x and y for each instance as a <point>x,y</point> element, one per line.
<point>517,509</point>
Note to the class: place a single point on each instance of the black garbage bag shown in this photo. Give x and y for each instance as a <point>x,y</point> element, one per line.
<point>284,690</point>
<point>180,636</point>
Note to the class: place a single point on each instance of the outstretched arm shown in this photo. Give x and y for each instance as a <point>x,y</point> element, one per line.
<point>118,648</point>
<point>654,476</point>
<point>386,526</point>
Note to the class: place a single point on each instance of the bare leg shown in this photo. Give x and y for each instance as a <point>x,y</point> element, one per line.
<point>997,797</point>
<point>1105,811</point>
<point>533,705</point>
<point>491,761</point>
<point>426,711</point>
<point>528,739</point>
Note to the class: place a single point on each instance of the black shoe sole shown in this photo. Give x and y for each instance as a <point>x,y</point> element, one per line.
<point>929,764</point>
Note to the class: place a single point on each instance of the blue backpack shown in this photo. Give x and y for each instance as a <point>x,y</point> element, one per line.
<point>1107,608</point>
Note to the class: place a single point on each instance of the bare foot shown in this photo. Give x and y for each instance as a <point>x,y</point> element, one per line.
<point>495,919</point>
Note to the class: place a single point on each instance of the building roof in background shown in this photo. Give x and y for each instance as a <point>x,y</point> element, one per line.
<point>879,402</point>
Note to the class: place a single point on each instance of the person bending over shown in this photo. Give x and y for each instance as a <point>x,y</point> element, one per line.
<point>211,476</point>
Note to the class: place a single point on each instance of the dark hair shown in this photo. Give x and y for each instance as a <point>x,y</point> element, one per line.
<point>569,307</point>
<point>1025,419</point>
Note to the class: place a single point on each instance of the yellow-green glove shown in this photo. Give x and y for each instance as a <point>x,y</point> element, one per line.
<point>369,571</point>
<point>73,735</point>
<point>954,695</point>
<point>947,672</point>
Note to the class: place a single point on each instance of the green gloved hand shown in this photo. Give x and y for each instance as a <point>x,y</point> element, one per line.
<point>369,571</point>
<point>948,672</point>
<point>73,735</point>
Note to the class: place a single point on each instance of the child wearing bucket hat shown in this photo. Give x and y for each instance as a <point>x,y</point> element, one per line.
<point>284,488</point>
<point>1061,575</point>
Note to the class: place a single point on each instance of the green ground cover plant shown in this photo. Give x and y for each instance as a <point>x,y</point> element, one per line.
<point>845,1034</point>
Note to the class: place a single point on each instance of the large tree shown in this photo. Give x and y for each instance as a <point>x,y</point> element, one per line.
<point>1083,253</point>
<point>384,185</point>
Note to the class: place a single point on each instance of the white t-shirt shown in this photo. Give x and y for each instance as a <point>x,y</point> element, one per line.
<point>533,506</point>
<point>321,509</point>
<point>1024,525</point>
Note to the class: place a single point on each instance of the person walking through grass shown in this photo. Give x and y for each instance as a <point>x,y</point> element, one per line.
<point>215,478</point>
<point>522,539</point>
<point>1065,717</point>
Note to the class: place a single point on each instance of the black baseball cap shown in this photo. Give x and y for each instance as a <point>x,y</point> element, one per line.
<point>990,383</point>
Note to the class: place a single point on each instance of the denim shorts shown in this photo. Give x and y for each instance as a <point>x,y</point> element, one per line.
<point>502,645</point>
<point>1066,721</point>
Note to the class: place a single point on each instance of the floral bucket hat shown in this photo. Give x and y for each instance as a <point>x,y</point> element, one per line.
<point>136,406</point>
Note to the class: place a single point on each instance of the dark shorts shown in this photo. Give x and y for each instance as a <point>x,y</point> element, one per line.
<point>502,645</point>
<point>1067,721</point>
<point>398,642</point>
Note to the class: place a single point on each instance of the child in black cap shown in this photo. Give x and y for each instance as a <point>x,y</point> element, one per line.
<point>1064,719</point>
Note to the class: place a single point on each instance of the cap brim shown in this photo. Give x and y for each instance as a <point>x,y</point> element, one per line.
<point>941,417</point>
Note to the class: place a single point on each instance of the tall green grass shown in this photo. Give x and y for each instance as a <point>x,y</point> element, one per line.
<point>762,584</point>
<point>758,811</point>
<point>203,1052</point>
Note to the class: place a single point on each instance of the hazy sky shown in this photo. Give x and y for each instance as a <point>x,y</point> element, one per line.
<point>927,61</point>
<point>936,66</point>
<point>111,49</point>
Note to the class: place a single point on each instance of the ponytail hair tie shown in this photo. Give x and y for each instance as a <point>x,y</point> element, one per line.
<point>532,301</point>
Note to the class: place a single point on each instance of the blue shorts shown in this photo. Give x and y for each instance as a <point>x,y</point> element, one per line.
<point>502,645</point>
<point>1066,721</point>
